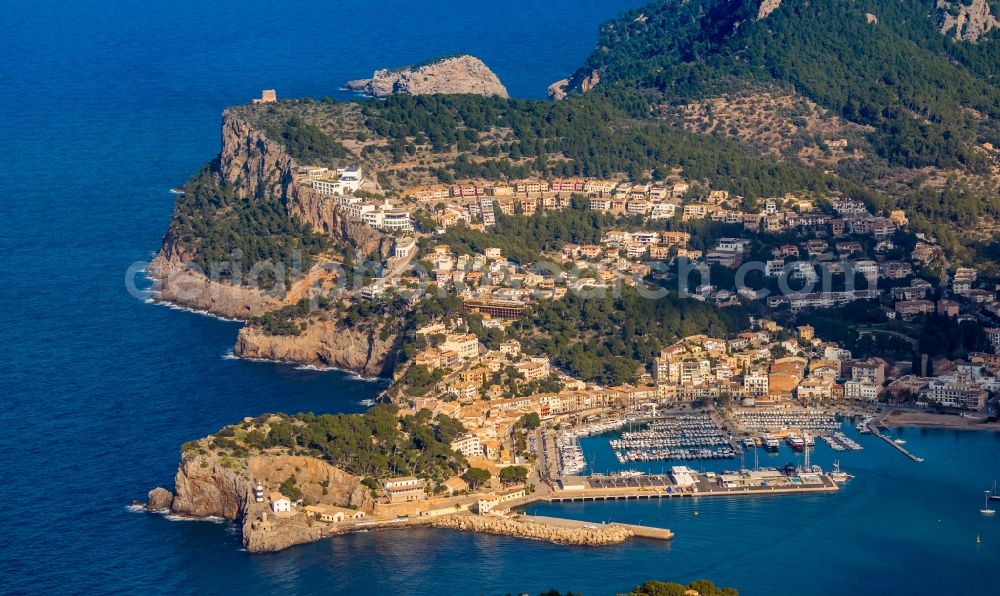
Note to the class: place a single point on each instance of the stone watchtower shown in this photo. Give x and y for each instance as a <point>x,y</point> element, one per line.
<point>267,96</point>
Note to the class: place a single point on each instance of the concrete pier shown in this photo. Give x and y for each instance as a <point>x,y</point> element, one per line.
<point>875,431</point>
<point>626,495</point>
<point>661,487</point>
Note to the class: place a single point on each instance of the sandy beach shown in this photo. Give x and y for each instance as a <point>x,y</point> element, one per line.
<point>932,420</point>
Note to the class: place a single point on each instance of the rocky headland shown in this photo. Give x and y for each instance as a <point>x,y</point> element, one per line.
<point>251,164</point>
<point>363,349</point>
<point>208,485</point>
<point>454,75</point>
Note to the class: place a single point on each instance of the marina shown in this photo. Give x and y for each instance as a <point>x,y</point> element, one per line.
<point>757,422</point>
<point>570,455</point>
<point>685,437</point>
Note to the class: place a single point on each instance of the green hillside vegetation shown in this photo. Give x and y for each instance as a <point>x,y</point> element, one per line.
<point>590,136</point>
<point>702,587</point>
<point>223,229</point>
<point>524,238</point>
<point>603,339</point>
<point>376,444</point>
<point>914,85</point>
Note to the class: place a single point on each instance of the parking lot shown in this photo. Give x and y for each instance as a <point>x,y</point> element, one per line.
<point>629,482</point>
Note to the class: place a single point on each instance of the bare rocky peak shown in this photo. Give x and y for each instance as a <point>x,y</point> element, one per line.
<point>966,22</point>
<point>767,7</point>
<point>458,74</point>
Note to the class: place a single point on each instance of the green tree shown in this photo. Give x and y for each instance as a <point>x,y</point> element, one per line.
<point>476,477</point>
<point>513,475</point>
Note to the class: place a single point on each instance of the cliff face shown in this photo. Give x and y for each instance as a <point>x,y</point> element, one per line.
<point>966,22</point>
<point>360,349</point>
<point>326,218</point>
<point>460,74</point>
<point>257,166</point>
<point>177,283</point>
<point>252,164</point>
<point>205,486</point>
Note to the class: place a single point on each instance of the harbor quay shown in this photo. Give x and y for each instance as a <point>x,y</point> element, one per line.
<point>684,482</point>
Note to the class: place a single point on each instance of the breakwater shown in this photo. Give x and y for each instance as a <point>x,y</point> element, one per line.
<point>556,530</point>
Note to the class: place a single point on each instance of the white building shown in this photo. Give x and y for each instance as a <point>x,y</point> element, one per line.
<point>280,503</point>
<point>468,445</point>
<point>860,391</point>
<point>465,344</point>
<point>404,247</point>
<point>755,385</point>
<point>347,181</point>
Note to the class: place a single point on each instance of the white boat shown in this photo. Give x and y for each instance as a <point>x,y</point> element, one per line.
<point>986,506</point>
<point>837,476</point>
<point>899,442</point>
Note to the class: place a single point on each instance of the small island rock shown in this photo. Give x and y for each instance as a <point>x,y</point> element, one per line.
<point>159,499</point>
<point>454,75</point>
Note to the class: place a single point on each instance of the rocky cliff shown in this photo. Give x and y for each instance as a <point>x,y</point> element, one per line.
<point>966,22</point>
<point>361,349</point>
<point>212,485</point>
<point>176,282</point>
<point>326,218</point>
<point>459,74</point>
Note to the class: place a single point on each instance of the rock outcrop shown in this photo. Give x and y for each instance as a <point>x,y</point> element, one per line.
<point>511,526</point>
<point>325,217</point>
<point>557,90</point>
<point>966,22</point>
<point>159,499</point>
<point>361,349</point>
<point>207,486</point>
<point>252,164</point>
<point>255,165</point>
<point>766,8</point>
<point>265,533</point>
<point>458,74</point>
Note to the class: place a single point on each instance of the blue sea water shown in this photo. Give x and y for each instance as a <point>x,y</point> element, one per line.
<point>103,107</point>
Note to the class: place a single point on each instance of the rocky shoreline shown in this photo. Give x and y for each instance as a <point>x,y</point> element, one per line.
<point>211,485</point>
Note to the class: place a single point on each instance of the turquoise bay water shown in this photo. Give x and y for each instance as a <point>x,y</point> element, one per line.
<point>103,107</point>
